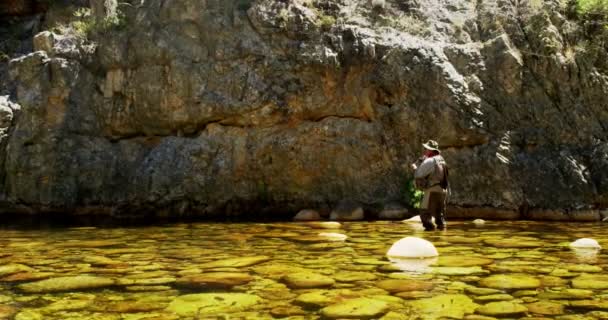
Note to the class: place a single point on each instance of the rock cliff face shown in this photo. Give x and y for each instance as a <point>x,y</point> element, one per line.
<point>202,107</point>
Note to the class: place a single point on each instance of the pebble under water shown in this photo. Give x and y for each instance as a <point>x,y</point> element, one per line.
<point>512,270</point>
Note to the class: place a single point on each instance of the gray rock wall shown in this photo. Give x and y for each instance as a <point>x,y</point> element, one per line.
<point>230,106</point>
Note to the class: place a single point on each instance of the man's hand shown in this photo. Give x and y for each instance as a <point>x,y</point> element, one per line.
<point>413,166</point>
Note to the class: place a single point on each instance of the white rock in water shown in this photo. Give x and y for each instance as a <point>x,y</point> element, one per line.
<point>414,265</point>
<point>333,236</point>
<point>586,243</point>
<point>412,247</point>
<point>479,222</point>
<point>307,215</point>
<point>413,219</point>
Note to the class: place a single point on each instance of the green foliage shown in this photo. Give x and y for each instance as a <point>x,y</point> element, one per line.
<point>414,196</point>
<point>596,8</point>
<point>4,57</point>
<point>85,24</point>
<point>405,23</point>
<point>326,22</point>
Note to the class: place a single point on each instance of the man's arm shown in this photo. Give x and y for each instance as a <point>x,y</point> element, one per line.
<point>425,168</point>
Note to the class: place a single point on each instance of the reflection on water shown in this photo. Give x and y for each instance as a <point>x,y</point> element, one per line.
<point>302,271</point>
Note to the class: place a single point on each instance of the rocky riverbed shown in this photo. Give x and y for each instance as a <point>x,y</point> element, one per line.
<point>302,271</point>
<point>223,107</point>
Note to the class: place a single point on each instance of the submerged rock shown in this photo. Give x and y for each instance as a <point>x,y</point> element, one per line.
<point>359,308</point>
<point>458,271</point>
<point>194,305</point>
<point>324,225</point>
<point>590,281</point>
<point>287,311</point>
<point>546,308</point>
<point>462,261</point>
<point>322,298</point>
<point>10,269</point>
<point>214,280</point>
<point>590,304</point>
<point>510,281</point>
<point>29,314</point>
<point>514,243</point>
<point>396,285</point>
<point>7,312</point>
<point>566,294</point>
<point>234,262</point>
<point>67,284</point>
<point>481,291</point>
<point>412,247</point>
<point>276,270</point>
<point>494,297</point>
<point>502,309</point>
<point>333,236</point>
<point>307,280</point>
<point>453,306</point>
<point>352,276</point>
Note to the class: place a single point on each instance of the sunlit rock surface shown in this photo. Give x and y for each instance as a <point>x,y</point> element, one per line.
<point>412,247</point>
<point>266,107</point>
<point>194,305</point>
<point>502,309</point>
<point>333,236</point>
<point>585,243</point>
<point>307,215</point>
<point>67,284</point>
<point>360,308</point>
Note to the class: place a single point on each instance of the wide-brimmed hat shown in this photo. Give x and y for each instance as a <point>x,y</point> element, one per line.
<point>431,145</point>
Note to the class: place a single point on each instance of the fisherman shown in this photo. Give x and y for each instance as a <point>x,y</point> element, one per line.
<point>431,175</point>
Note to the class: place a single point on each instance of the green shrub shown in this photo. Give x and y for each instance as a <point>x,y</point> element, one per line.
<point>414,196</point>
<point>326,22</point>
<point>85,25</point>
<point>593,8</point>
<point>405,23</point>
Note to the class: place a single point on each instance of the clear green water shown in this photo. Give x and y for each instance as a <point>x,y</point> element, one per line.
<point>285,270</point>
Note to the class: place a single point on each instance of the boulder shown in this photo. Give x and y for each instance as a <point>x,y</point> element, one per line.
<point>479,222</point>
<point>347,211</point>
<point>585,243</point>
<point>412,247</point>
<point>307,215</point>
<point>393,211</point>
<point>44,41</point>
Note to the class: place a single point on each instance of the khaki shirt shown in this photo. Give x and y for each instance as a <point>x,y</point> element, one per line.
<point>432,168</point>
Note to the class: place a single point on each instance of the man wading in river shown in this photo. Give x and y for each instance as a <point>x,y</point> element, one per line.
<point>431,175</point>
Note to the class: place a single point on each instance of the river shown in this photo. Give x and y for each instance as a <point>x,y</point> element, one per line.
<point>301,271</point>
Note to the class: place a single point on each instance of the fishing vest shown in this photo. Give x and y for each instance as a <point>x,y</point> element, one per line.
<point>439,176</point>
